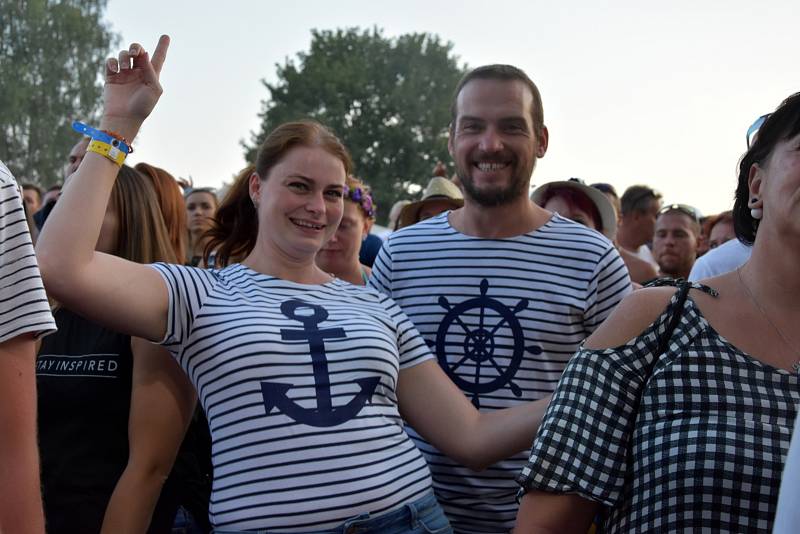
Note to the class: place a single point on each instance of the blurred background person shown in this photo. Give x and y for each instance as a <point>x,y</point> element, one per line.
<point>440,195</point>
<point>394,215</point>
<point>51,195</point>
<point>32,196</point>
<point>675,240</point>
<point>112,409</point>
<point>340,255</point>
<point>49,199</point>
<point>718,229</point>
<point>611,194</point>
<point>720,260</point>
<point>75,156</point>
<point>637,222</point>
<point>201,205</point>
<point>186,491</point>
<point>578,202</point>
<point>170,200</point>
<point>372,243</point>
<point>640,270</point>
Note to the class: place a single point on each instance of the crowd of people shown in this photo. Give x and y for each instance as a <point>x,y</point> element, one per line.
<point>500,360</point>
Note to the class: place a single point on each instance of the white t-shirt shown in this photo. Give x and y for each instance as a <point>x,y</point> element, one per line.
<point>644,253</point>
<point>298,383</point>
<point>503,317</point>
<point>725,258</point>
<point>23,302</point>
<point>787,518</point>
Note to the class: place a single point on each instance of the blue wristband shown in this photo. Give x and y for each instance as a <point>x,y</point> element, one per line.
<point>97,135</point>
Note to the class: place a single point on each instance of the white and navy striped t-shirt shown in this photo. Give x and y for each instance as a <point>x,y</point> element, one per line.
<point>503,316</point>
<point>298,383</point>
<point>23,302</point>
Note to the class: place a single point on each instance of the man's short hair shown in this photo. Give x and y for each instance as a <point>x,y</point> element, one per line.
<point>504,73</point>
<point>638,198</point>
<point>686,211</point>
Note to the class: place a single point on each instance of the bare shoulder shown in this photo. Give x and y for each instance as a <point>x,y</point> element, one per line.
<point>631,317</point>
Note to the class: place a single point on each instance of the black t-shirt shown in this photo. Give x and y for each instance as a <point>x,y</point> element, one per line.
<point>83,374</point>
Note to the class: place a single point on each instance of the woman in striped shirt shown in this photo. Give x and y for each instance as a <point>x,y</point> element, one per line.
<point>304,378</point>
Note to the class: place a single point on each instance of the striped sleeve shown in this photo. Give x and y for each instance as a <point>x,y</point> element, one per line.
<point>187,289</point>
<point>410,344</point>
<point>609,285</point>
<point>381,277</point>
<point>23,302</point>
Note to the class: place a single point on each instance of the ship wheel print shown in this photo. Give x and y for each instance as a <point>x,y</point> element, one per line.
<point>479,347</point>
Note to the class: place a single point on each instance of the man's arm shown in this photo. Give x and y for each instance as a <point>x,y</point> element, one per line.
<point>20,494</point>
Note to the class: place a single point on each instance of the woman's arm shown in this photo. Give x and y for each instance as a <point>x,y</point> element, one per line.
<point>20,489</point>
<point>162,403</point>
<point>440,413</point>
<point>119,294</point>
<point>544,512</point>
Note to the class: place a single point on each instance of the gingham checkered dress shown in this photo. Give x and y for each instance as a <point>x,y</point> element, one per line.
<point>704,451</point>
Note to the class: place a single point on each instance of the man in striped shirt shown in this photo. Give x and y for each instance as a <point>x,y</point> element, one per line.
<point>502,290</point>
<point>24,315</point>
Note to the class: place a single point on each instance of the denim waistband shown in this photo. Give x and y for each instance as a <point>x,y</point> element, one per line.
<point>408,515</point>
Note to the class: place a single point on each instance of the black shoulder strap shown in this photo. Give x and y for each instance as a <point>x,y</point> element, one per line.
<point>677,312</point>
<point>663,341</point>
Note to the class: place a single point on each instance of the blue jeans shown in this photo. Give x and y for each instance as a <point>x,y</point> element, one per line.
<point>185,523</point>
<point>423,516</point>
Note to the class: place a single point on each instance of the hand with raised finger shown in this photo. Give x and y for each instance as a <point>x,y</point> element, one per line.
<point>132,87</point>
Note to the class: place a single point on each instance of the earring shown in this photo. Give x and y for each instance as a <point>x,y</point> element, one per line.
<point>756,213</point>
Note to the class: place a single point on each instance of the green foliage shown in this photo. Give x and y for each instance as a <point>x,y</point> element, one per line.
<point>51,57</point>
<point>387,99</point>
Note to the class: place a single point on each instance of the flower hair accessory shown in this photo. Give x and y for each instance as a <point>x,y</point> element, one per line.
<point>362,197</point>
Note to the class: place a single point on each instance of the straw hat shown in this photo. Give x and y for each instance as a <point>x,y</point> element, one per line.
<point>608,216</point>
<point>439,188</point>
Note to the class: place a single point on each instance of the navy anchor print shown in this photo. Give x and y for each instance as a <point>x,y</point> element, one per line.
<point>325,414</point>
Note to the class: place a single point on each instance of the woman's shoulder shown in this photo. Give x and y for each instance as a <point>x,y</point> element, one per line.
<point>641,310</point>
<point>637,311</point>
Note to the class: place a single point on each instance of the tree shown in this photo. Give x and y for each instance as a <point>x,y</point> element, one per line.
<point>387,99</point>
<point>51,57</point>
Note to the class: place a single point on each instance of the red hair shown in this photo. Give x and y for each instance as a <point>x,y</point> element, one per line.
<point>577,199</point>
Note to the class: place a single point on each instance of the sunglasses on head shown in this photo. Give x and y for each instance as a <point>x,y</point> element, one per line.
<point>683,208</point>
<point>753,129</point>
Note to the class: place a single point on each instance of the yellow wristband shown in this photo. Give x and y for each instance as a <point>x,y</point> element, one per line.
<point>104,149</point>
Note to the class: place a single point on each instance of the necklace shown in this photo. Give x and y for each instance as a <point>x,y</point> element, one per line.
<point>796,364</point>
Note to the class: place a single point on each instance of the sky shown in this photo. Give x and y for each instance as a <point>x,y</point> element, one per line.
<point>633,91</point>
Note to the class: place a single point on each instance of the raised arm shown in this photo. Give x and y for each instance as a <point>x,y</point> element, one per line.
<point>119,294</point>
<point>440,413</point>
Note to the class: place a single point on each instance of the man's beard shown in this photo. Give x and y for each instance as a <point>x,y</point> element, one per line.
<point>491,197</point>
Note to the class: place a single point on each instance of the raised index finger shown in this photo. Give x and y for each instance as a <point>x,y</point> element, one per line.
<point>160,53</point>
